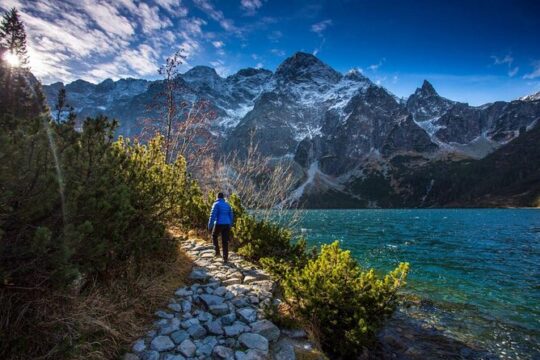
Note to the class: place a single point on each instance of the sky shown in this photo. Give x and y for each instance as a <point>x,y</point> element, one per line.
<point>472,51</point>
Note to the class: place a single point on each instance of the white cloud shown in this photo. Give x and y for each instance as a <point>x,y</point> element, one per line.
<point>375,67</point>
<point>513,72</point>
<point>150,19</point>
<point>507,60</point>
<point>251,6</point>
<point>278,52</point>
<point>535,73</point>
<point>107,17</point>
<point>216,15</point>
<point>259,65</point>
<point>321,26</point>
<point>218,44</point>
<point>173,6</point>
<point>275,35</point>
<point>142,60</point>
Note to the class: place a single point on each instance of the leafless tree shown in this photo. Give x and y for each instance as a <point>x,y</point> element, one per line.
<point>263,183</point>
<point>184,124</point>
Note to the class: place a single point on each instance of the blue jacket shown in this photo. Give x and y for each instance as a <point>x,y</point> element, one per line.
<point>221,214</point>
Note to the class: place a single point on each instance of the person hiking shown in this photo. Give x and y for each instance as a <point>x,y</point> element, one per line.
<point>220,222</point>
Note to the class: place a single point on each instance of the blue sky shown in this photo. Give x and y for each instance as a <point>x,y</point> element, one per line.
<point>473,51</point>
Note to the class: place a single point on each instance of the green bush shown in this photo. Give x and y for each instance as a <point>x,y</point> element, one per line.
<point>78,203</point>
<point>345,303</point>
<point>263,241</point>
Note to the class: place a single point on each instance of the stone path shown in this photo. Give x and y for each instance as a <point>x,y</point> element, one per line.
<point>220,316</point>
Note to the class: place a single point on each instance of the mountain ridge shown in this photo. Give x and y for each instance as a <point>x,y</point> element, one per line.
<point>332,126</point>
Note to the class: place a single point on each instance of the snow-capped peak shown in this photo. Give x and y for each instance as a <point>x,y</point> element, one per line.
<point>304,67</point>
<point>532,97</point>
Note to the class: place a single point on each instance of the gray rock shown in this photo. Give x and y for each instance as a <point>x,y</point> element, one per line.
<point>187,348</point>
<point>175,307</point>
<point>251,354</point>
<point>179,336</point>
<point>196,331</point>
<point>283,350</point>
<point>199,275</point>
<point>254,341</point>
<point>138,346</point>
<point>190,322</point>
<point>210,300</point>
<point>162,343</point>
<point>206,346</point>
<point>183,292</point>
<point>247,315</point>
<point>232,281</point>
<point>150,355</point>
<point>222,352</point>
<point>185,306</point>
<point>219,309</point>
<point>173,357</point>
<point>204,316</point>
<point>130,356</point>
<point>214,327</point>
<point>228,319</point>
<point>267,329</point>
<point>164,315</point>
<point>171,326</point>
<point>220,291</point>
<point>233,330</point>
<point>239,302</point>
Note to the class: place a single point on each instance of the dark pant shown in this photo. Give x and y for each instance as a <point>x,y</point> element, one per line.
<point>224,231</point>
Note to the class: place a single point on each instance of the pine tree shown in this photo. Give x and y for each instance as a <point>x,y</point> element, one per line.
<point>13,36</point>
<point>62,107</point>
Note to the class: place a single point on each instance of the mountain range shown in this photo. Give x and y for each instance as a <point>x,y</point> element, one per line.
<point>352,142</point>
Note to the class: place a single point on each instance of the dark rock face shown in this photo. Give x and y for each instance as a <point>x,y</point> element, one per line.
<point>426,104</point>
<point>344,131</point>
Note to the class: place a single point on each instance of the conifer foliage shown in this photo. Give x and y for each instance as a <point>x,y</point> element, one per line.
<point>13,36</point>
<point>75,205</point>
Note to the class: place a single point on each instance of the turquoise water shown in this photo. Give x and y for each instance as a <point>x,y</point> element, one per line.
<point>479,268</point>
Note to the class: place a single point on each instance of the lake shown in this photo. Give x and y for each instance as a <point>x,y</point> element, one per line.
<point>479,268</point>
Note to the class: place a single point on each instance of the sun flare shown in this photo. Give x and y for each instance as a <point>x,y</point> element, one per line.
<point>12,59</point>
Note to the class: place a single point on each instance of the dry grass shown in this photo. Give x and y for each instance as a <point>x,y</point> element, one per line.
<point>99,323</point>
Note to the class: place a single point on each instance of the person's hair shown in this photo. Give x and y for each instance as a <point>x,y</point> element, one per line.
<point>220,195</point>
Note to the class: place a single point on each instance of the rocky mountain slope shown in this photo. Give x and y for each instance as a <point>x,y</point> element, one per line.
<point>350,138</point>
